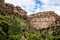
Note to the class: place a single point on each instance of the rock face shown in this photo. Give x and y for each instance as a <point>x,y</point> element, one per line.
<point>1,2</point>
<point>44,19</point>
<point>9,9</point>
<point>39,20</point>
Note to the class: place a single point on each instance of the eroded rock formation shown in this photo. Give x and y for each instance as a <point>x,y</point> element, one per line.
<point>1,2</point>
<point>39,20</point>
<point>44,19</point>
<point>10,9</point>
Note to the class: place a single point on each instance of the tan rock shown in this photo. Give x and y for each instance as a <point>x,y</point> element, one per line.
<point>1,2</point>
<point>44,19</point>
<point>10,9</point>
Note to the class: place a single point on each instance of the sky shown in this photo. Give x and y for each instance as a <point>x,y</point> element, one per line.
<point>34,6</point>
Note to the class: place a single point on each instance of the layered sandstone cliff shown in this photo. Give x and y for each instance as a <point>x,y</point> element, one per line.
<point>10,9</point>
<point>39,20</point>
<point>45,19</point>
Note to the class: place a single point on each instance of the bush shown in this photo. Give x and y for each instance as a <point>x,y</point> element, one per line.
<point>16,29</point>
<point>33,37</point>
<point>4,30</point>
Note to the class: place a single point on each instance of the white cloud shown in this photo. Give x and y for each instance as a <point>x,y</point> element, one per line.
<point>52,8</point>
<point>51,5</point>
<point>15,2</point>
<point>50,2</point>
<point>29,5</point>
<point>45,1</point>
<point>55,2</point>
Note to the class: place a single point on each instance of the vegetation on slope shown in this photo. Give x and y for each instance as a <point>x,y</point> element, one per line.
<point>11,28</point>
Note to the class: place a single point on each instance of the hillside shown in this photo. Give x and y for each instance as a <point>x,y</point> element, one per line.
<point>44,19</point>
<point>15,24</point>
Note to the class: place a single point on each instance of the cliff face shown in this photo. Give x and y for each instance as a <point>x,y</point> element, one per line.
<point>44,20</point>
<point>39,20</point>
<point>1,2</point>
<point>9,9</point>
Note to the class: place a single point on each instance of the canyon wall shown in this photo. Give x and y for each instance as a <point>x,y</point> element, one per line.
<point>10,9</point>
<point>39,20</point>
<point>44,19</point>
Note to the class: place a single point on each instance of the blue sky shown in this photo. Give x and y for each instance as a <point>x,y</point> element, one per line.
<point>34,6</point>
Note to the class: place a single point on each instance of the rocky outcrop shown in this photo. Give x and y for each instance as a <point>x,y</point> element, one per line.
<point>44,20</point>
<point>1,2</point>
<point>39,20</point>
<point>10,9</point>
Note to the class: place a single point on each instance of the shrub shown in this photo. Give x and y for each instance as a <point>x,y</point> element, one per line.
<point>16,29</point>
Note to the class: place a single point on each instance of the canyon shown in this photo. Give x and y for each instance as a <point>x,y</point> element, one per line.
<point>39,20</point>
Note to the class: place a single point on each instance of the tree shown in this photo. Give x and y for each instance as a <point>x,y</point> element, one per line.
<point>4,30</point>
<point>15,31</point>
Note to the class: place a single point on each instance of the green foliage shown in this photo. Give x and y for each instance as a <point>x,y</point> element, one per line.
<point>57,37</point>
<point>16,31</point>
<point>14,37</point>
<point>4,30</point>
<point>1,17</point>
<point>16,27</point>
<point>33,37</point>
